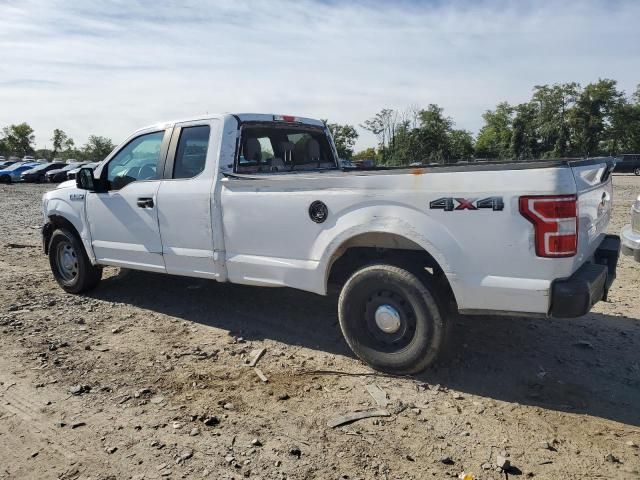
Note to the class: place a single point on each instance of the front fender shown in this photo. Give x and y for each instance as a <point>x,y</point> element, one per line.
<point>72,210</point>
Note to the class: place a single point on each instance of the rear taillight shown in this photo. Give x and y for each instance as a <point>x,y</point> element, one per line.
<point>555,221</point>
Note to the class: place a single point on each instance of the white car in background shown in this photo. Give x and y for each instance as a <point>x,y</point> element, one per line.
<point>630,234</point>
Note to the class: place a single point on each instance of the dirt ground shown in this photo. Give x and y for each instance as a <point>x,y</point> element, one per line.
<point>145,377</point>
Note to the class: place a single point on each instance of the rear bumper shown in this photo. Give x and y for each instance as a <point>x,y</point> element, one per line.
<point>574,296</point>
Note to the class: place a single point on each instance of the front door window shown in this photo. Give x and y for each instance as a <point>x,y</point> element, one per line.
<point>138,160</point>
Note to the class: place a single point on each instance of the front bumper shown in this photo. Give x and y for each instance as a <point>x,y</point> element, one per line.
<point>574,296</point>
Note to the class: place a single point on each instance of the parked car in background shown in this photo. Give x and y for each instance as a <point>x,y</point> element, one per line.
<point>37,174</point>
<point>631,233</point>
<point>60,174</point>
<point>13,172</point>
<point>28,158</point>
<point>2,159</point>
<point>7,163</point>
<point>628,163</point>
<point>71,174</point>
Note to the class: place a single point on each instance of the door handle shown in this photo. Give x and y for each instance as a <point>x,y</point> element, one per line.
<point>145,202</point>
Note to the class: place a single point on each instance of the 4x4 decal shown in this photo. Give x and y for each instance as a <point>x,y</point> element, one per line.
<point>448,204</point>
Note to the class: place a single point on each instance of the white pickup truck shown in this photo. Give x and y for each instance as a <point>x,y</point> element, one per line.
<point>262,200</point>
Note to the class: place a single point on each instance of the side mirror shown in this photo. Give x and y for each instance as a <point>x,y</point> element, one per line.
<point>85,180</point>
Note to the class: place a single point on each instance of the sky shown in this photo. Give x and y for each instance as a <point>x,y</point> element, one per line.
<point>111,67</point>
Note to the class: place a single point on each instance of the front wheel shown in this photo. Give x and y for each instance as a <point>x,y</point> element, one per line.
<point>637,171</point>
<point>70,264</point>
<point>391,319</point>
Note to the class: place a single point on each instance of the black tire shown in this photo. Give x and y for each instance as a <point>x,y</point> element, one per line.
<point>637,171</point>
<point>421,333</point>
<point>5,179</point>
<point>40,179</point>
<point>70,264</point>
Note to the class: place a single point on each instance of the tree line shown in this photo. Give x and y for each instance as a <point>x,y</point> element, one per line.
<point>560,120</point>
<point>19,140</point>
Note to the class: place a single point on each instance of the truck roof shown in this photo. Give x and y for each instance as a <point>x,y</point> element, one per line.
<point>243,117</point>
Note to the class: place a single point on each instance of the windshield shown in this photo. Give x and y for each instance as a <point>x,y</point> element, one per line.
<point>275,147</point>
<point>15,166</point>
<point>71,166</point>
<point>40,167</point>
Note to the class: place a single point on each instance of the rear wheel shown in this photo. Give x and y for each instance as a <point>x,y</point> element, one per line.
<point>40,179</point>
<point>637,171</point>
<point>391,319</point>
<point>5,179</point>
<point>70,264</point>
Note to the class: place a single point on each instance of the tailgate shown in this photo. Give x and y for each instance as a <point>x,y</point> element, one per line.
<point>595,194</point>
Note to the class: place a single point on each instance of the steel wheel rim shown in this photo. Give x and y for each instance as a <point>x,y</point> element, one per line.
<point>400,322</point>
<point>67,261</point>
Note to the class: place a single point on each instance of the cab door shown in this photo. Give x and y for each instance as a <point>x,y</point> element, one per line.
<point>123,220</point>
<point>185,196</point>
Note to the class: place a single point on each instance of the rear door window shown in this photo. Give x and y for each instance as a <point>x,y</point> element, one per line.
<point>191,154</point>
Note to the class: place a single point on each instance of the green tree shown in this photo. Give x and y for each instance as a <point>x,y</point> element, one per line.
<point>369,153</point>
<point>18,139</point>
<point>630,119</point>
<point>460,145</point>
<point>97,148</point>
<point>524,135</point>
<point>60,140</point>
<point>552,123</point>
<point>383,126</point>
<point>44,153</point>
<point>418,136</point>
<point>590,118</point>
<point>431,138</point>
<point>344,136</point>
<point>494,138</point>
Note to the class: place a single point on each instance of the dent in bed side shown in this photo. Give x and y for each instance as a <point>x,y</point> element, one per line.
<point>402,222</point>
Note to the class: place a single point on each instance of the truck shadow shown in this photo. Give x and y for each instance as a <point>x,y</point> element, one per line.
<point>588,365</point>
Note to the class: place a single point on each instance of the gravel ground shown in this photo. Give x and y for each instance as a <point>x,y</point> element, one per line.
<point>146,377</point>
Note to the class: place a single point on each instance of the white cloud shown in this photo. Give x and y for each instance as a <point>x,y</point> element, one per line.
<point>110,67</point>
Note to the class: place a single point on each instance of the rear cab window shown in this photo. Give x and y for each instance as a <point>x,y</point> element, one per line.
<point>272,147</point>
